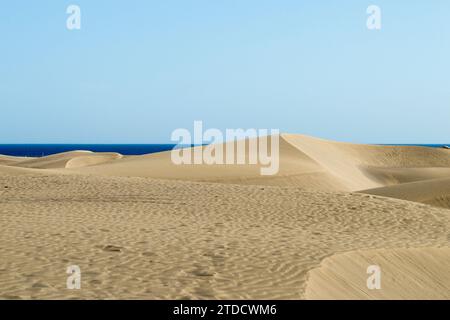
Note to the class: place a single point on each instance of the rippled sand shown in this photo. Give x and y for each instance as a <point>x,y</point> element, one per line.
<point>140,228</point>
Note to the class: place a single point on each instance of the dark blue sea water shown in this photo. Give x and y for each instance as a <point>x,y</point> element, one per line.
<point>39,150</point>
<point>419,145</point>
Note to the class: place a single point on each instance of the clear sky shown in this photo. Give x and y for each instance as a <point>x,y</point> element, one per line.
<point>137,70</point>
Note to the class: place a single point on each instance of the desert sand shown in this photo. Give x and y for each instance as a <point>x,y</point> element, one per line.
<point>141,227</point>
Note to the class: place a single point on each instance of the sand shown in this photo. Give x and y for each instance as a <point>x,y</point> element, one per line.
<point>141,227</point>
<point>435,192</point>
<point>406,274</point>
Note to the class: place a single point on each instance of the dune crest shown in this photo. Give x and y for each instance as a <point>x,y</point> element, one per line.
<point>8,160</point>
<point>92,160</point>
<point>305,162</point>
<point>71,159</point>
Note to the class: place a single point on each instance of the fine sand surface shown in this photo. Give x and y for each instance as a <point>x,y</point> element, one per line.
<point>142,227</point>
<point>434,192</point>
<point>406,274</point>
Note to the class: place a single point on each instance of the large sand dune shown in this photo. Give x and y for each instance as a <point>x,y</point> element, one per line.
<point>305,162</point>
<point>142,227</point>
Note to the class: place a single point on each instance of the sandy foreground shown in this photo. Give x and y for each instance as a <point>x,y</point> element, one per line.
<point>142,227</point>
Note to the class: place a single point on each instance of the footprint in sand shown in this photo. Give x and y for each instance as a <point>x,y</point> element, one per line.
<point>110,248</point>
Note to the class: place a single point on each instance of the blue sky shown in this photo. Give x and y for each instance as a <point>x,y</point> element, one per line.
<point>137,70</point>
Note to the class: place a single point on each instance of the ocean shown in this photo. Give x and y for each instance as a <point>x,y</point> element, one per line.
<point>419,145</point>
<point>40,150</point>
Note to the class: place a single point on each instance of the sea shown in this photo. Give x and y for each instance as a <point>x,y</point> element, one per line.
<point>41,150</point>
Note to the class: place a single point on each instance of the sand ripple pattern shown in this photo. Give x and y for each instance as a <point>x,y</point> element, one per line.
<point>156,239</point>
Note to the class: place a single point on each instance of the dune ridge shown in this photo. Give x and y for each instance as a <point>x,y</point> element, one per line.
<point>8,160</point>
<point>71,159</point>
<point>305,162</point>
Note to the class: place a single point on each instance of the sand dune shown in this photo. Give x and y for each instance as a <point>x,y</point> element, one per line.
<point>304,162</point>
<point>421,273</point>
<point>142,227</point>
<point>296,169</point>
<point>72,159</point>
<point>8,160</point>
<point>91,160</point>
<point>363,166</point>
<point>9,170</point>
<point>434,192</point>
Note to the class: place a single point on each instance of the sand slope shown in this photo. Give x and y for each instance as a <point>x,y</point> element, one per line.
<point>405,274</point>
<point>72,159</point>
<point>10,170</point>
<point>434,192</point>
<point>296,168</point>
<point>304,162</point>
<point>368,166</point>
<point>8,160</point>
